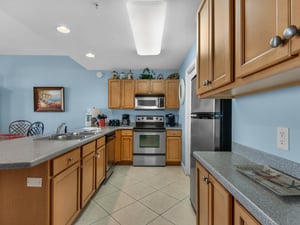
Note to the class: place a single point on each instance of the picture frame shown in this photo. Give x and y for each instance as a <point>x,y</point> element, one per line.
<point>49,99</point>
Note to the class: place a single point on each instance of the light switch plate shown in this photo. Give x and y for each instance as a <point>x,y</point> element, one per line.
<point>34,182</point>
<point>283,138</point>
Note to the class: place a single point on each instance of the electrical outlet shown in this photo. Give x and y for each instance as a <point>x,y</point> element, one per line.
<point>34,182</point>
<point>283,138</point>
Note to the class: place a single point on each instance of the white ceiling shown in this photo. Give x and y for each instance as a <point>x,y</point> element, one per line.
<point>28,27</point>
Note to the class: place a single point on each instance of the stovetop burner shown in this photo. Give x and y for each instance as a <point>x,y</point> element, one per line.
<point>149,122</point>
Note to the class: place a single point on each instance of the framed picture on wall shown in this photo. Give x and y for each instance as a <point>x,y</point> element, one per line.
<point>48,99</point>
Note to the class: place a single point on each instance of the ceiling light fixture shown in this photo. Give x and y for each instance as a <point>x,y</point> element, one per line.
<point>147,20</point>
<point>63,29</point>
<point>90,55</point>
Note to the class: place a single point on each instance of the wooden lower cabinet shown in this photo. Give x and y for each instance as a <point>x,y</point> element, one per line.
<point>242,216</point>
<point>173,146</point>
<point>65,188</point>
<point>100,162</point>
<point>213,201</point>
<point>126,145</point>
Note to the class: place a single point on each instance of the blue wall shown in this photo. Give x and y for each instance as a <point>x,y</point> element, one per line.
<point>256,118</point>
<point>186,63</point>
<point>83,90</point>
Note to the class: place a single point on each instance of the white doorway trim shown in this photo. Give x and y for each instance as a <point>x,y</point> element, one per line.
<point>189,74</point>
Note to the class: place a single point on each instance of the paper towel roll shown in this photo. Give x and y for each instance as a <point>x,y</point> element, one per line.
<point>95,112</point>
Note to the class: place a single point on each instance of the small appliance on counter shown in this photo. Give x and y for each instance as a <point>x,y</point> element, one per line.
<point>114,123</point>
<point>170,122</point>
<point>125,120</point>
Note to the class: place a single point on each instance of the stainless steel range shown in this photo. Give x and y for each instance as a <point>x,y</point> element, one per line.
<point>149,141</point>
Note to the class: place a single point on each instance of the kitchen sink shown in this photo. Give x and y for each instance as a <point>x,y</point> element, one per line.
<point>68,136</point>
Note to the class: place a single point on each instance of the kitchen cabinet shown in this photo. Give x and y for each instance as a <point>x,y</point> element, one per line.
<point>173,146</point>
<point>121,94</point>
<point>65,188</point>
<point>256,23</point>
<point>172,94</point>
<point>242,216</point>
<point>214,45</point>
<point>126,146</point>
<point>147,86</point>
<point>213,201</point>
<point>87,172</point>
<point>100,161</point>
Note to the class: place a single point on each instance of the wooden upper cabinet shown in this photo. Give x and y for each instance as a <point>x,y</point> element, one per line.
<point>215,44</point>
<point>171,95</point>
<point>295,20</point>
<point>256,23</point>
<point>120,94</point>
<point>127,94</point>
<point>146,86</point>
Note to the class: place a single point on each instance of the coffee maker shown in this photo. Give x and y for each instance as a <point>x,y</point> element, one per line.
<point>125,120</point>
<point>170,122</point>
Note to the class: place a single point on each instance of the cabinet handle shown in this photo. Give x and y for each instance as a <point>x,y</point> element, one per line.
<point>276,41</point>
<point>98,155</point>
<point>70,159</point>
<point>205,179</point>
<point>288,33</point>
<point>206,82</point>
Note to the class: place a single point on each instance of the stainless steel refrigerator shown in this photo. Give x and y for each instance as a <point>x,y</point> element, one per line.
<point>210,130</point>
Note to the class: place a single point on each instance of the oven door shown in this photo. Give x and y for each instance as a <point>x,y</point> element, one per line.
<point>149,141</point>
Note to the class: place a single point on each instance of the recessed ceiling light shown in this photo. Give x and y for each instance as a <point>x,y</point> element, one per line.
<point>63,29</point>
<point>90,55</point>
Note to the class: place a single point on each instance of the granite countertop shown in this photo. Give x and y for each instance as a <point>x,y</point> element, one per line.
<point>267,207</point>
<point>176,127</point>
<point>30,151</point>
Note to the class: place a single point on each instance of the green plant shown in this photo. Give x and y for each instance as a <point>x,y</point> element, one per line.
<point>147,74</point>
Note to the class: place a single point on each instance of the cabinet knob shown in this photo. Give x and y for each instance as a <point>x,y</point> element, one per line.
<point>276,41</point>
<point>70,159</point>
<point>206,82</point>
<point>205,179</point>
<point>290,32</point>
<point>98,155</point>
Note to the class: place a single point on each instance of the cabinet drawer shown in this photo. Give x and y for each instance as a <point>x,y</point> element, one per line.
<point>88,148</point>
<point>126,132</point>
<point>100,142</point>
<point>173,133</point>
<point>62,162</point>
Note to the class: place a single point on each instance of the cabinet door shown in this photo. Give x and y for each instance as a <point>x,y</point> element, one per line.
<point>203,47</point>
<point>126,145</point>
<point>87,178</point>
<point>65,196</point>
<point>127,94</point>
<point>242,217</point>
<point>295,20</point>
<point>100,165</point>
<point>114,94</point>
<point>157,87</point>
<point>202,196</point>
<point>173,149</point>
<point>215,44</point>
<point>172,98</point>
<point>142,86</point>
<point>221,204</point>
<point>256,23</point>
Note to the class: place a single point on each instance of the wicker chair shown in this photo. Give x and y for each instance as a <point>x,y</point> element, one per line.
<point>36,128</point>
<point>19,127</point>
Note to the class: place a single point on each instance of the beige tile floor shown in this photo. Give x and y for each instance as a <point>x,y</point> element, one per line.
<point>141,196</point>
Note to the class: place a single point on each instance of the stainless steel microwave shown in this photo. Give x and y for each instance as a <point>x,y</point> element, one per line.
<point>149,102</point>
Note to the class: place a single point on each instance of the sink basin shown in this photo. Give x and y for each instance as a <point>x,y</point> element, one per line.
<point>68,136</point>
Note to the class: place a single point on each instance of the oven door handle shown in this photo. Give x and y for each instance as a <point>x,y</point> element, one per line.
<point>148,130</point>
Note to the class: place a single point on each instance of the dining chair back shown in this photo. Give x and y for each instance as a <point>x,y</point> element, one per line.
<point>19,127</point>
<point>35,129</point>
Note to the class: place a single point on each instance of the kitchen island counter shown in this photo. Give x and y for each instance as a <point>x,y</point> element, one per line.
<point>30,151</point>
<point>267,207</point>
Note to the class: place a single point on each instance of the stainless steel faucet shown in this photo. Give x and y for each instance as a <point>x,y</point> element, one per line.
<point>60,127</point>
